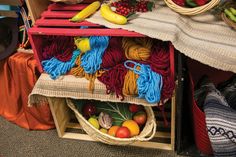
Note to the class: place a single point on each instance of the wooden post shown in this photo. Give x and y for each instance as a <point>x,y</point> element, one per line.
<point>36,7</point>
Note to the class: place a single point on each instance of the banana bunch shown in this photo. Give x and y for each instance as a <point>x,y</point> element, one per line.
<point>86,12</point>
<point>111,16</point>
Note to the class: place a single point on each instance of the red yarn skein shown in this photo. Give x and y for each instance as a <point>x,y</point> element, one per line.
<point>114,54</point>
<point>114,80</point>
<point>60,47</point>
<point>160,63</point>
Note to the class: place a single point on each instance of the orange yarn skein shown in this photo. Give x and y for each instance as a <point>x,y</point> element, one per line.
<point>138,49</point>
<point>130,86</point>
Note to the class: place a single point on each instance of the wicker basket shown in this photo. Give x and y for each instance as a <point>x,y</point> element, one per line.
<point>228,21</point>
<point>146,134</point>
<point>191,11</point>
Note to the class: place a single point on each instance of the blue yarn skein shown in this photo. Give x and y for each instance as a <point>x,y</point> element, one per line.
<point>92,59</point>
<point>149,83</point>
<point>56,68</point>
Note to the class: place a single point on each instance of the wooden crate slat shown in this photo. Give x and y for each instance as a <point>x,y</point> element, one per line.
<point>73,125</point>
<point>58,14</point>
<point>83,32</point>
<point>163,134</point>
<point>11,2</point>
<point>63,7</point>
<point>63,22</point>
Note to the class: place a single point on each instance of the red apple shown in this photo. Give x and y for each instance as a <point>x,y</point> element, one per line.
<point>140,117</point>
<point>88,110</point>
<point>123,132</point>
<point>134,108</point>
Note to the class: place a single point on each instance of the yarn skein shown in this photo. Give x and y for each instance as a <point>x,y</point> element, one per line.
<point>114,54</point>
<point>60,47</point>
<point>138,49</point>
<point>114,80</point>
<point>149,83</point>
<point>160,63</point>
<point>92,59</point>
<point>56,68</point>
<point>79,72</point>
<point>130,86</point>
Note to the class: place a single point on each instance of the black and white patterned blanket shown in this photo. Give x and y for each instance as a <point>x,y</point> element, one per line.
<point>221,125</point>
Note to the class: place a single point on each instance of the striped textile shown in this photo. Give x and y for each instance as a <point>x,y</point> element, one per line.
<point>203,37</point>
<point>69,86</point>
<point>221,125</point>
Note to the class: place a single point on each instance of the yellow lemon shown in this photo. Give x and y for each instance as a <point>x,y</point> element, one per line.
<point>132,126</point>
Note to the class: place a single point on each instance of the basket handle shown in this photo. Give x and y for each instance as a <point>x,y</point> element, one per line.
<point>152,131</point>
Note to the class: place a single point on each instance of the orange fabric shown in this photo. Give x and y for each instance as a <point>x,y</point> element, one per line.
<point>17,78</point>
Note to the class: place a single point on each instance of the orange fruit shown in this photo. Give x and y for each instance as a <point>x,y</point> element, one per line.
<point>112,131</point>
<point>132,126</point>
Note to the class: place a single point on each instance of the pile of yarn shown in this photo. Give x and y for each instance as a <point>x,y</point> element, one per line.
<point>126,66</point>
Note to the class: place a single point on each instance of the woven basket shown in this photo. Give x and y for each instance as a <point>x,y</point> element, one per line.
<point>146,134</point>
<point>191,11</point>
<point>228,21</point>
<point>199,126</point>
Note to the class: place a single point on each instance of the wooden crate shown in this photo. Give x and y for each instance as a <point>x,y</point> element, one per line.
<point>68,127</point>
<point>55,22</point>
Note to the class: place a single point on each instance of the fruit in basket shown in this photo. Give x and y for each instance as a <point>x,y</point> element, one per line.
<point>105,120</point>
<point>118,111</point>
<point>140,118</point>
<point>88,110</point>
<point>111,16</point>
<point>132,126</point>
<point>94,122</point>
<point>191,3</point>
<point>201,2</point>
<point>232,10</point>
<point>230,14</point>
<point>135,108</point>
<point>123,132</point>
<point>179,2</point>
<point>103,130</point>
<point>86,12</point>
<point>112,131</point>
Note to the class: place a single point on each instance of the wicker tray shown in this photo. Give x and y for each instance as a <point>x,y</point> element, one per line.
<point>191,11</point>
<point>146,134</point>
<point>228,21</point>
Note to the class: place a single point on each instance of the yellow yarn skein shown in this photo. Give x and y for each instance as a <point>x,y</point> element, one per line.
<point>138,49</point>
<point>130,86</point>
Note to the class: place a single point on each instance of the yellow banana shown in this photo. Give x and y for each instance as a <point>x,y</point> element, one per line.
<point>86,12</point>
<point>111,16</point>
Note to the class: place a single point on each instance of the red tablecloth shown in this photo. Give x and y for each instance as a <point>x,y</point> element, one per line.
<point>17,78</point>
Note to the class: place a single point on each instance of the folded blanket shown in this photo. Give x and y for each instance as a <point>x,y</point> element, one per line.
<point>221,125</point>
<point>69,86</point>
